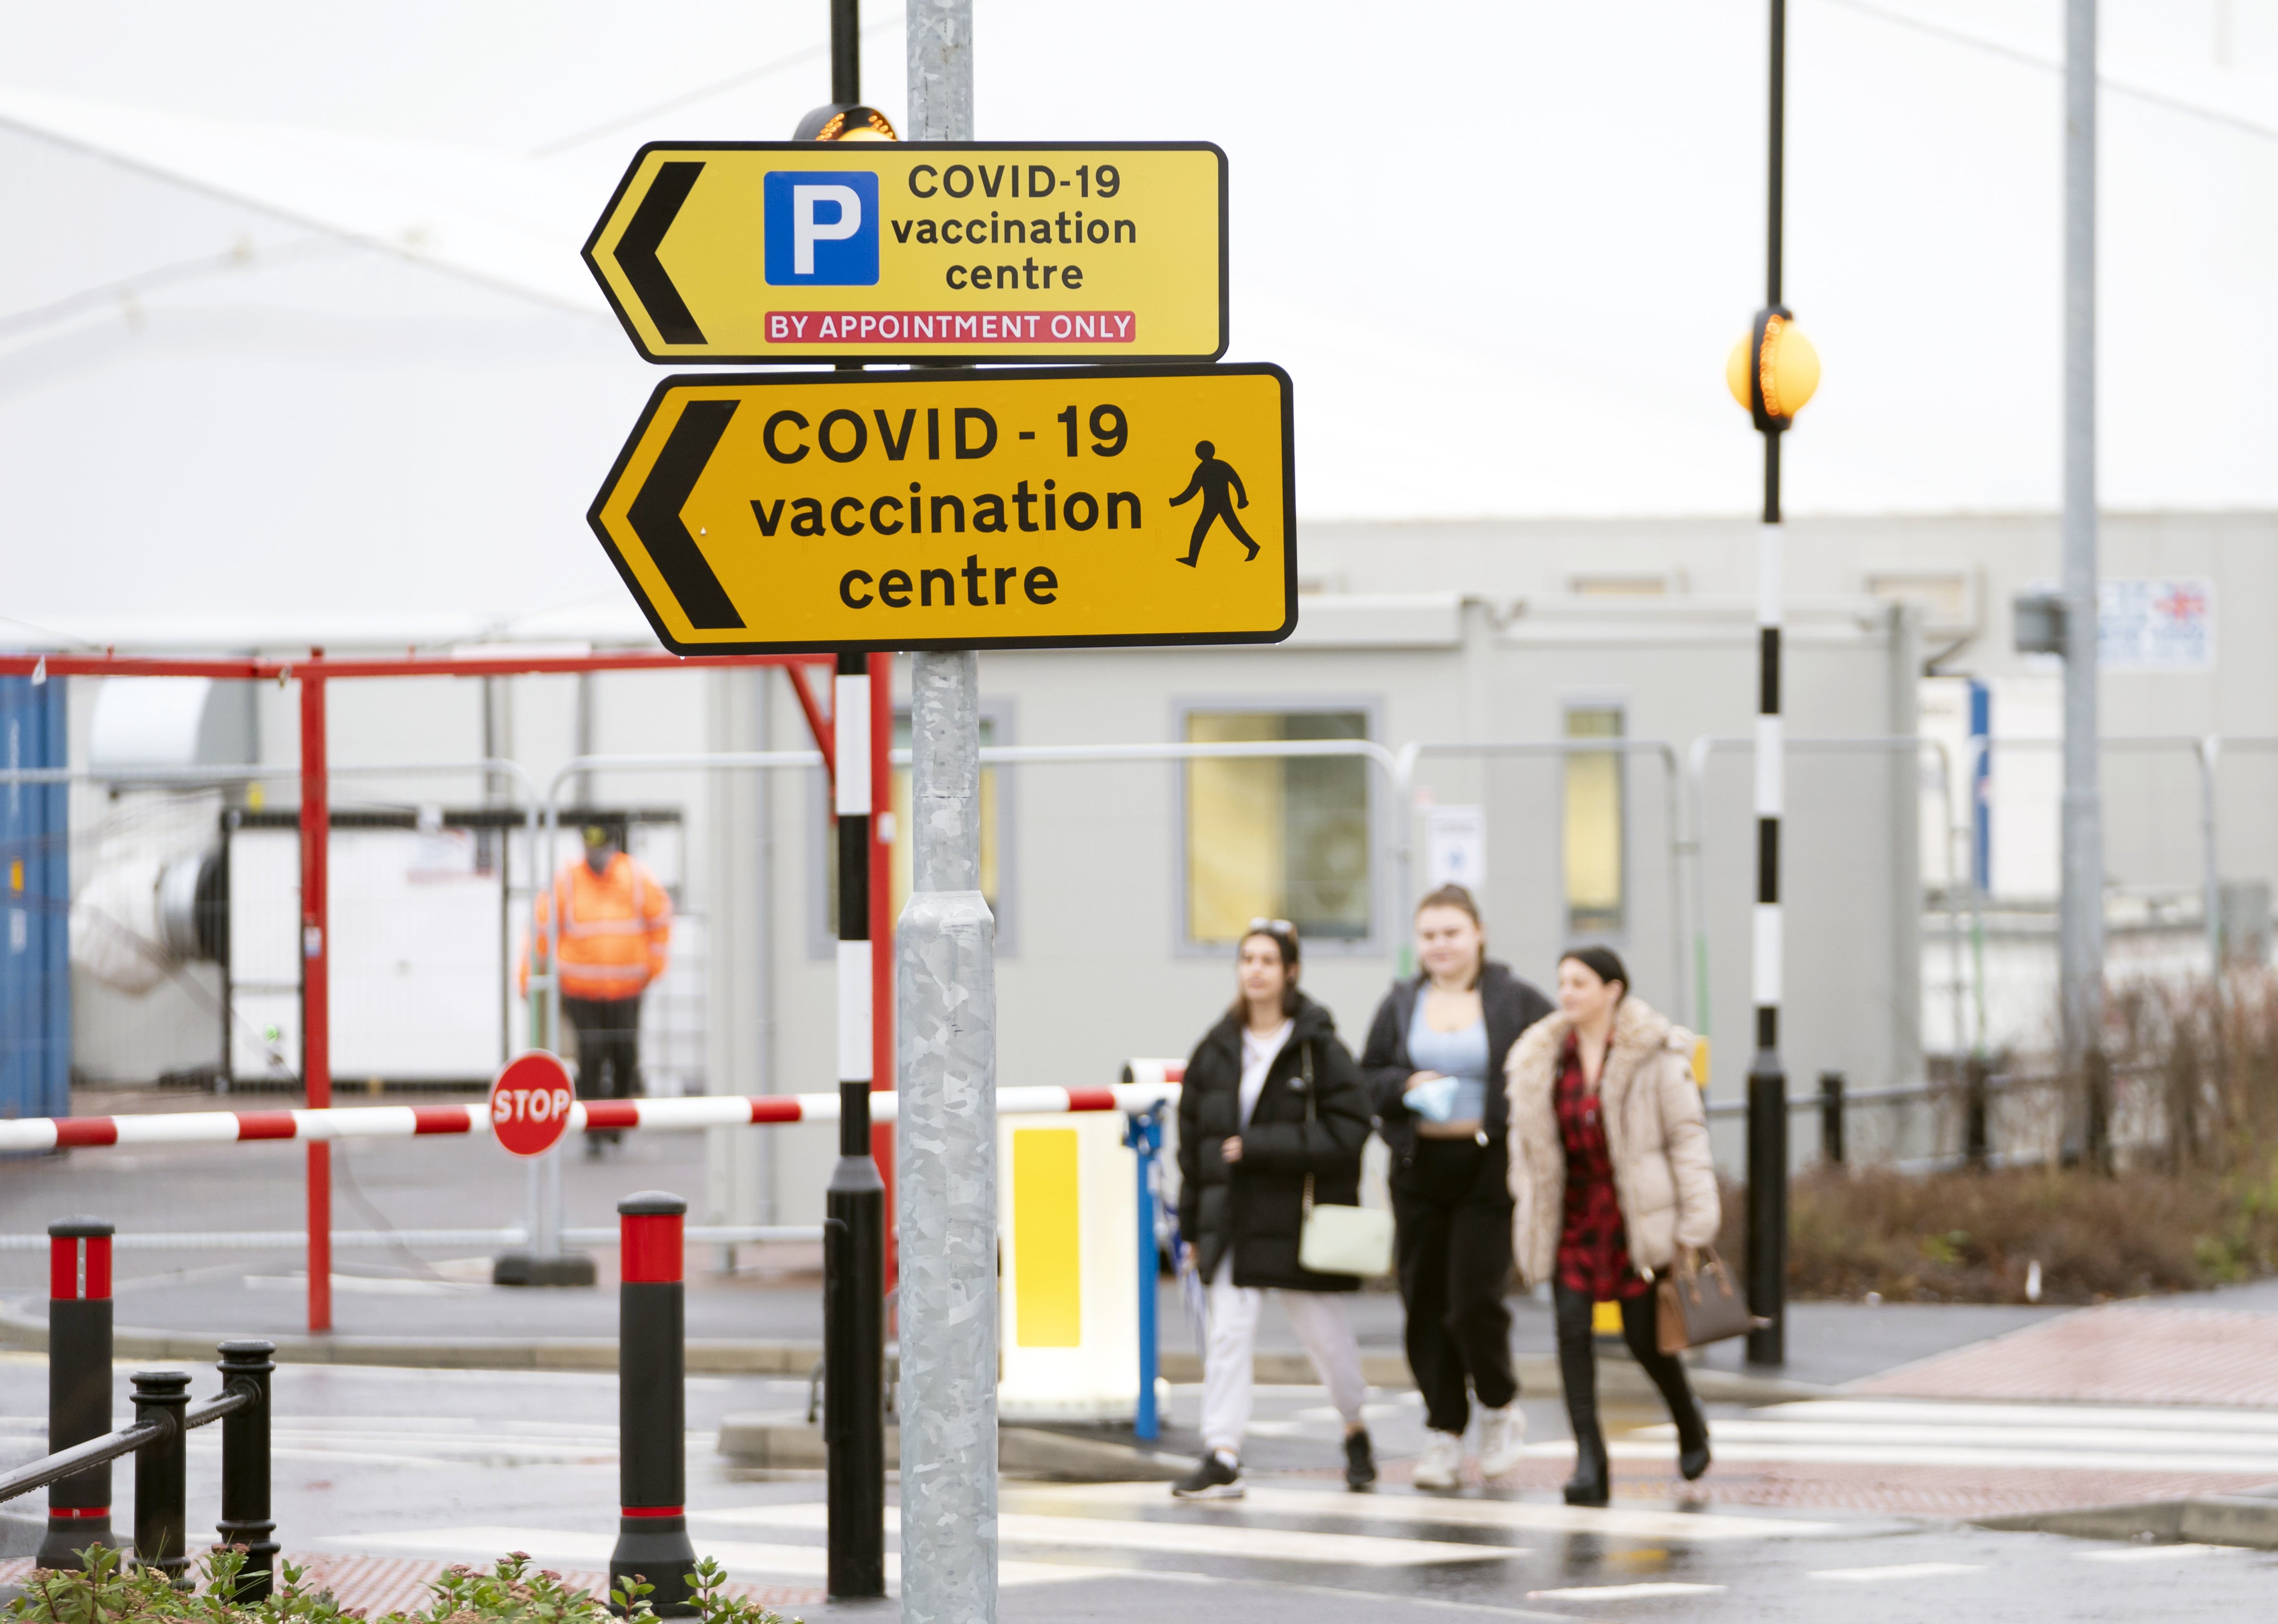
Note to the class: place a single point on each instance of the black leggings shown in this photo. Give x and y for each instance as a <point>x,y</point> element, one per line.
<point>1452,1213</point>
<point>608,1045</point>
<point>1578,1363</point>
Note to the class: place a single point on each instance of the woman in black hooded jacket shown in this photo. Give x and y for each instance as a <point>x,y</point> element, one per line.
<point>1271,1100</point>
<point>1433,1068</point>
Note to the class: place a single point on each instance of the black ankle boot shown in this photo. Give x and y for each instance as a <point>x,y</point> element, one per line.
<point>1692,1443</point>
<point>1692,1457</point>
<point>1590,1485</point>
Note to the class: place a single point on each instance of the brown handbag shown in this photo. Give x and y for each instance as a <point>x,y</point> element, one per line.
<point>1700,1305</point>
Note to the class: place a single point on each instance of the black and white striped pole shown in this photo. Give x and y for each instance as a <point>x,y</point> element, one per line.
<point>1767,1074</point>
<point>1772,372</point>
<point>854,1202</point>
<point>79,1384</point>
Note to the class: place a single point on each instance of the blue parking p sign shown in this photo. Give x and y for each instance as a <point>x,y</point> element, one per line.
<point>822,229</point>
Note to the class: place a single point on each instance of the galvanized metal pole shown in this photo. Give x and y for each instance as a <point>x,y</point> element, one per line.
<point>945,1039</point>
<point>2210,751</point>
<point>946,1148</point>
<point>2080,924</point>
<point>940,62</point>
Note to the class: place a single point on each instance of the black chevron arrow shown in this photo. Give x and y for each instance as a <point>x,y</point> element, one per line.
<point>637,254</point>
<point>655,516</point>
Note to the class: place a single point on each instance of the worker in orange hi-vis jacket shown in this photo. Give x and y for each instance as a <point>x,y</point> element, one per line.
<point>616,922</point>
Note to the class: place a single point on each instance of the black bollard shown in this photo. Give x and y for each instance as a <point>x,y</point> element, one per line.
<point>1768,1211</point>
<point>855,1358</point>
<point>1976,1142</point>
<point>652,1404</point>
<point>161,1470</point>
<point>245,1519</point>
<point>1831,1118</point>
<point>79,1384</point>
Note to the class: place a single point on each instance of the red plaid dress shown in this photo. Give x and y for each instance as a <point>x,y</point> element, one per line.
<point>1594,1253</point>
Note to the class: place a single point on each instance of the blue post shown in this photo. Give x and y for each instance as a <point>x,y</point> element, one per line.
<point>1981,775</point>
<point>1143,1133</point>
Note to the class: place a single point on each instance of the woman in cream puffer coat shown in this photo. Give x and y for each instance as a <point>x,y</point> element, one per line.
<point>1610,1173</point>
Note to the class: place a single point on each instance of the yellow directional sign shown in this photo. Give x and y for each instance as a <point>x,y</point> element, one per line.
<point>1031,508</point>
<point>947,250</point>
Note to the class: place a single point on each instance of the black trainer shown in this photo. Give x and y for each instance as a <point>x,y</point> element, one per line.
<point>1214,1479</point>
<point>1360,1461</point>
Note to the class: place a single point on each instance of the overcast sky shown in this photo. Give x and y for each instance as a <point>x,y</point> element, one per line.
<point>1502,246</point>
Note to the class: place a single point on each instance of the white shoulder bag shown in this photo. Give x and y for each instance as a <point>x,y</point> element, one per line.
<point>1341,1240</point>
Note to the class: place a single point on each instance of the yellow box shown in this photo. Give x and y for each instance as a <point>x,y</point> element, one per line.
<point>1047,1239</point>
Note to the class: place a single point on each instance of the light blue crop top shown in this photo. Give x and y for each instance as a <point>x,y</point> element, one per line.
<point>1461,1055</point>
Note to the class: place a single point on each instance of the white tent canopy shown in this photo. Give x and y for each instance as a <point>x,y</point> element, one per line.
<point>295,344</point>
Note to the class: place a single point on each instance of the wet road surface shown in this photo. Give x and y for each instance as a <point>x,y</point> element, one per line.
<point>463,1465</point>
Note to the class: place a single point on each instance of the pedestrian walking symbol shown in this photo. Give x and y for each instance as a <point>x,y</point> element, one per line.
<point>1210,482</point>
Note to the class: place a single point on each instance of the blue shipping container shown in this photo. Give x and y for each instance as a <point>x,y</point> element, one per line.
<point>35,905</point>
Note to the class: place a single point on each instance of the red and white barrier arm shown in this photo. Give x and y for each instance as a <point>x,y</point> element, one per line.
<point>42,1133</point>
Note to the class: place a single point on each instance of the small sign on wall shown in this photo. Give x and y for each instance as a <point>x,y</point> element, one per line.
<point>2156,625</point>
<point>1455,847</point>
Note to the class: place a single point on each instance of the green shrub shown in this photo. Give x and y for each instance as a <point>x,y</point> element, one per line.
<point>114,1590</point>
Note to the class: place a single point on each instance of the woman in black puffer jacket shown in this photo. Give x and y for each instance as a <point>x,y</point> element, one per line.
<point>1271,1098</point>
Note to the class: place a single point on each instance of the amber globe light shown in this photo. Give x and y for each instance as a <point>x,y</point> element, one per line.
<point>1786,369</point>
<point>845,121</point>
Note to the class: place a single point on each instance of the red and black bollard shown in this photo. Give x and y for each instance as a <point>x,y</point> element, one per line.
<point>652,1405</point>
<point>79,1384</point>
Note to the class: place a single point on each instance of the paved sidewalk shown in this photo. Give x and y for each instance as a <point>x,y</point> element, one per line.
<point>2145,1353</point>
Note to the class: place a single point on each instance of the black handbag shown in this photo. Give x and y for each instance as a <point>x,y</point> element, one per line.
<point>1698,1304</point>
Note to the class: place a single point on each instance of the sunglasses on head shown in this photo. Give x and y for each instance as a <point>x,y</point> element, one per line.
<point>1273,927</point>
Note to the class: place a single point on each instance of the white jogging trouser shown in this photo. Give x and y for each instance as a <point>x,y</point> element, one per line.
<point>1322,1327</point>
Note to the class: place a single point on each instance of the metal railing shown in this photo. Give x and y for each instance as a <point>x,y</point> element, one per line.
<point>159,1440</point>
<point>1974,1091</point>
<point>280,1240</point>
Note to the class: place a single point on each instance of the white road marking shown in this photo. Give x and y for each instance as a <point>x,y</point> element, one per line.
<point>1182,1538</point>
<point>1900,1570</point>
<point>369,1285</point>
<point>1988,1438</point>
<point>428,1443</point>
<point>2160,1553</point>
<point>1734,1451</point>
<point>2062,1416</point>
<point>488,1544</point>
<point>2043,1436</point>
<point>1448,1512</point>
<point>1623,1592</point>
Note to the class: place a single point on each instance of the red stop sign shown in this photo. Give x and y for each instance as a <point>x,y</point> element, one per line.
<point>530,1103</point>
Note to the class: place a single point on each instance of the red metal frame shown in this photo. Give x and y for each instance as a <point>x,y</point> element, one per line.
<point>313,673</point>
<point>317,986</point>
<point>411,664</point>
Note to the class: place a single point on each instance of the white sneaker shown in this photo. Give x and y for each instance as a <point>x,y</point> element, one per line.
<point>1440,1466</point>
<point>1502,1441</point>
